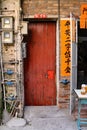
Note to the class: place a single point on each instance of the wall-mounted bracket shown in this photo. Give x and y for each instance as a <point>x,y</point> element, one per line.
<point>65,81</point>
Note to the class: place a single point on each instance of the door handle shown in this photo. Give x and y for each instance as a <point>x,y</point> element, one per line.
<point>46,75</point>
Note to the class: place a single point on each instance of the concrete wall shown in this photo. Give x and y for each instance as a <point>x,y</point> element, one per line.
<point>12,52</point>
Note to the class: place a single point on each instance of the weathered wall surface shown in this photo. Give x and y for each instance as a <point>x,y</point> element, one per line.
<point>40,6</point>
<point>50,7</point>
<point>12,52</point>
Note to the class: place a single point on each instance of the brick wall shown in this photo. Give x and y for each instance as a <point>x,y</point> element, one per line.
<point>50,7</point>
<point>40,6</point>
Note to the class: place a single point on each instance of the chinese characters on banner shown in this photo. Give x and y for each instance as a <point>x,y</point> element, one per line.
<point>83,17</point>
<point>65,47</point>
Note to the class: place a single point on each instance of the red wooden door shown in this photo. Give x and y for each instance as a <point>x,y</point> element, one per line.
<point>39,66</point>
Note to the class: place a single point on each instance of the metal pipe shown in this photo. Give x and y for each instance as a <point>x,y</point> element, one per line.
<point>57,52</point>
<point>2,75</point>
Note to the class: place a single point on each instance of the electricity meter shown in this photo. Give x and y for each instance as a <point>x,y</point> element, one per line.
<point>7,37</point>
<point>7,22</point>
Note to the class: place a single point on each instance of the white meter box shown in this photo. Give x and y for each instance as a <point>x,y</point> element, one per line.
<point>24,29</point>
<point>7,37</point>
<point>7,22</point>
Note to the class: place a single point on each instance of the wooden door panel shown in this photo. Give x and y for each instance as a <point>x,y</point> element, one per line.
<point>39,89</point>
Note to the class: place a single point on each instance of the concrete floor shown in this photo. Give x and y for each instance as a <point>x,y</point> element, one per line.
<point>46,118</point>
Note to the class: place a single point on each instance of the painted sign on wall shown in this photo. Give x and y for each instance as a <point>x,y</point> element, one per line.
<point>65,47</point>
<point>83,17</point>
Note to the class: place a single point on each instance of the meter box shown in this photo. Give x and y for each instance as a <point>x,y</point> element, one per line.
<point>7,29</point>
<point>7,37</point>
<point>7,22</point>
<point>24,29</point>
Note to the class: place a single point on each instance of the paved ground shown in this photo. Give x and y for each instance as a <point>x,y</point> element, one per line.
<point>46,118</point>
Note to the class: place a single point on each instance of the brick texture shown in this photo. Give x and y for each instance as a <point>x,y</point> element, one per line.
<point>50,7</point>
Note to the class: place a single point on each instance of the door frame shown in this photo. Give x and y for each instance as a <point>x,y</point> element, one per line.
<point>57,51</point>
<point>74,45</point>
<point>57,59</point>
